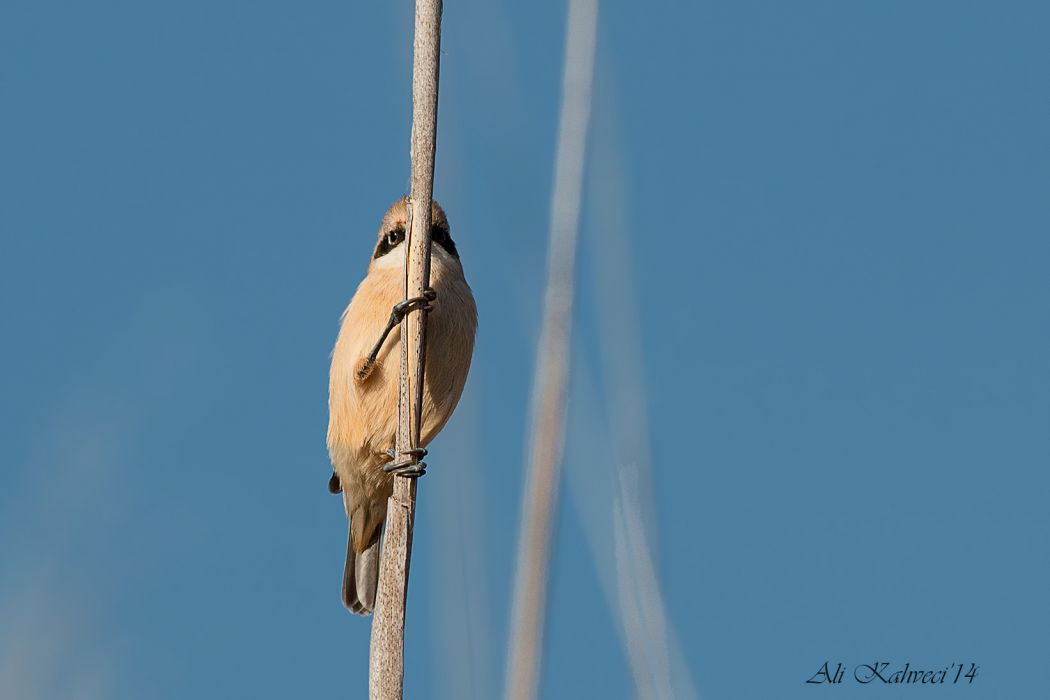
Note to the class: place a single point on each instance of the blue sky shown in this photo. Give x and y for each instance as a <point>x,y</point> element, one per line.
<point>833,219</point>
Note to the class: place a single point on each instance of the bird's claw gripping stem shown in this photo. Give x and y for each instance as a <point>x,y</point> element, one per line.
<point>402,308</point>
<point>397,314</point>
<point>409,466</point>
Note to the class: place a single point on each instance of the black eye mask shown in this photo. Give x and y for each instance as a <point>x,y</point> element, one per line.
<point>391,240</point>
<point>396,237</point>
<point>440,235</point>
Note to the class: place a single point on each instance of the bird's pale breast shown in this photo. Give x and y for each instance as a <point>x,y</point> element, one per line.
<point>363,417</point>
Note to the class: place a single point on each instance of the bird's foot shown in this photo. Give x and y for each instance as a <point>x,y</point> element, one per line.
<point>409,466</point>
<point>402,308</point>
<point>397,314</point>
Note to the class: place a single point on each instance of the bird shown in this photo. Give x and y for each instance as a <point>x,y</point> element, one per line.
<point>363,389</point>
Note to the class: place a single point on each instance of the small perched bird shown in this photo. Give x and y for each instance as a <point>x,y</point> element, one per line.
<point>364,384</point>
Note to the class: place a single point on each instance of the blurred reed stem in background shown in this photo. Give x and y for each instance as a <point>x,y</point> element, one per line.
<point>552,359</point>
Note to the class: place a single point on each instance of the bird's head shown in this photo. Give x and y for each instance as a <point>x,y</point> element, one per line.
<point>390,246</point>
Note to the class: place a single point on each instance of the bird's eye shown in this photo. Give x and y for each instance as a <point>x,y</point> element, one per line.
<point>395,237</point>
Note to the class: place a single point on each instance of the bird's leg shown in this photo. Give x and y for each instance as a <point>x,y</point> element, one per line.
<point>411,467</point>
<point>397,314</point>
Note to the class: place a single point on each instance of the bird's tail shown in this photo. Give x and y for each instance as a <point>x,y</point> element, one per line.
<point>361,577</point>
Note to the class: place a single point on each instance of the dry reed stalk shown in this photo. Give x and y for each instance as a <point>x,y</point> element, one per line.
<point>387,654</point>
